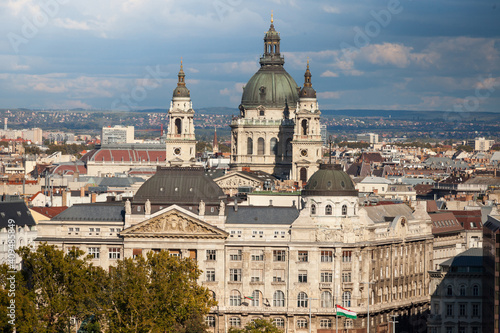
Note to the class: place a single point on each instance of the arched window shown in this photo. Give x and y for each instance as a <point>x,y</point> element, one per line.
<point>475,290</point>
<point>302,323</point>
<point>288,147</point>
<point>260,146</point>
<point>279,322</point>
<point>326,299</point>
<point>178,126</point>
<point>344,210</point>
<point>449,290</point>
<point>235,298</point>
<point>328,210</point>
<point>279,299</point>
<point>213,295</point>
<point>313,209</point>
<point>256,298</point>
<point>304,127</point>
<point>249,146</point>
<point>346,298</point>
<point>273,147</point>
<point>303,175</point>
<point>462,290</point>
<point>302,300</point>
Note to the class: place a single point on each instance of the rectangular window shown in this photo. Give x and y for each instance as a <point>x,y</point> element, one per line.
<point>235,255</point>
<point>326,256</point>
<point>303,256</point>
<point>70,229</point>
<point>211,255</point>
<point>136,253</point>
<point>279,275</point>
<point>175,253</point>
<point>91,229</point>
<point>256,275</point>
<point>94,252</point>
<point>449,310</point>
<point>346,277</point>
<point>114,253</point>
<point>475,310</point>
<point>326,276</point>
<point>279,255</point>
<point>303,276</point>
<point>193,254</point>
<point>346,256</point>
<point>462,310</point>
<point>258,255</point>
<point>235,275</point>
<point>210,275</point>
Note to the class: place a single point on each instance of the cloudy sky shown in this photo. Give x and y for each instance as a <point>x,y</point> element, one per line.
<point>365,54</point>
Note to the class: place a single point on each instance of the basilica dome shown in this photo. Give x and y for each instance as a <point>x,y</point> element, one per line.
<point>271,86</point>
<point>330,180</point>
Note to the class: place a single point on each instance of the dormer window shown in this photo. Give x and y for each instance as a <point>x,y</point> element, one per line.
<point>313,209</point>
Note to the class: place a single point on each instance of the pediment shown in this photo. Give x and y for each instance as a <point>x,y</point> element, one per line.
<point>174,224</point>
<point>236,179</point>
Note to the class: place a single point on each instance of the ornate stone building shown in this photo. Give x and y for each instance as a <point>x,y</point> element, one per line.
<point>270,261</point>
<point>181,143</point>
<point>278,128</point>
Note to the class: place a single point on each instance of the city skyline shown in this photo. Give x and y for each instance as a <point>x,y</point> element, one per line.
<point>400,55</point>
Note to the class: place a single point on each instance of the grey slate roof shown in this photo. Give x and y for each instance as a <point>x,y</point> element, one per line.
<point>262,215</point>
<point>17,211</point>
<point>471,258</point>
<point>93,212</point>
<point>386,213</point>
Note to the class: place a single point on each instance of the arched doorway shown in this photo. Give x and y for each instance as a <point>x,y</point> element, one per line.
<point>303,175</point>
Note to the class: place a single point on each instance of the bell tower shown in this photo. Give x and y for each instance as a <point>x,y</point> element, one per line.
<point>180,141</point>
<point>306,143</point>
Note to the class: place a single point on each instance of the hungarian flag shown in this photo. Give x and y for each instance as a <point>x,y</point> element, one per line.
<point>346,313</point>
<point>250,298</point>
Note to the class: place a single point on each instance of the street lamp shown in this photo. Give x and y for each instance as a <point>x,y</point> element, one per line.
<point>368,309</point>
<point>393,321</point>
<point>309,301</point>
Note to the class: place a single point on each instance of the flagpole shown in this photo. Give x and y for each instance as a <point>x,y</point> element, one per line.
<point>336,320</point>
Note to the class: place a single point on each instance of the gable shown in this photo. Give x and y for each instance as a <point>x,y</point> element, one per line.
<point>236,179</point>
<point>174,224</point>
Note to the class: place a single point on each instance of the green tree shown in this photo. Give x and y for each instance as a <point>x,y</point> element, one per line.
<point>257,326</point>
<point>157,293</point>
<point>53,287</point>
<point>465,148</point>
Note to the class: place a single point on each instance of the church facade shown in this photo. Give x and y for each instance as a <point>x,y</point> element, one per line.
<point>277,130</point>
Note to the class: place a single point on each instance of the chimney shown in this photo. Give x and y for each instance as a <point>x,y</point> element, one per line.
<point>82,192</point>
<point>93,197</point>
<point>64,199</point>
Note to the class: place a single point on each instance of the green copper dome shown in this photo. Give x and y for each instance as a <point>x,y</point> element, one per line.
<point>330,180</point>
<point>271,86</point>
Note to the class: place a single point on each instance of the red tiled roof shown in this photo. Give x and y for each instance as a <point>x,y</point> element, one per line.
<point>49,212</point>
<point>70,169</point>
<point>445,223</point>
<point>125,155</point>
<point>466,217</point>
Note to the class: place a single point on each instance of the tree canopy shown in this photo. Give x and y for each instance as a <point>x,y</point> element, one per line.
<point>257,326</point>
<point>151,293</point>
